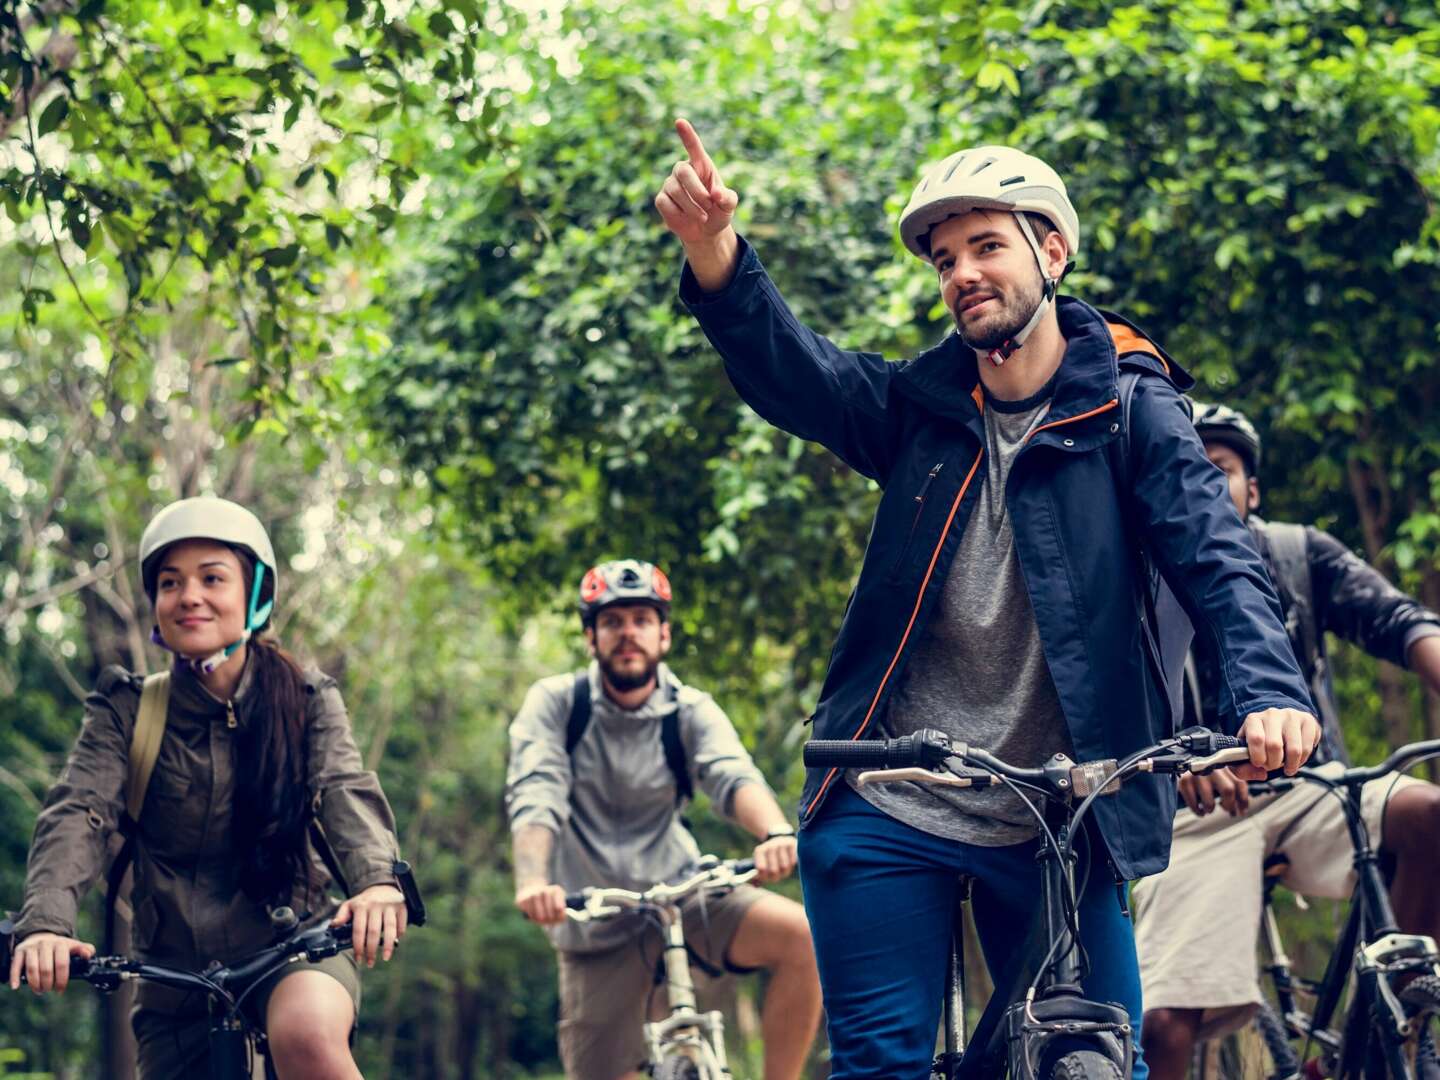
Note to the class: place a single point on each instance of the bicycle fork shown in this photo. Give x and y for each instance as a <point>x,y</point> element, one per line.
<point>700,1036</point>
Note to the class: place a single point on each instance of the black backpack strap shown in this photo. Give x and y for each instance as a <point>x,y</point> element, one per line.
<point>579,712</point>
<point>1290,560</point>
<point>675,750</point>
<point>1286,548</point>
<point>321,843</point>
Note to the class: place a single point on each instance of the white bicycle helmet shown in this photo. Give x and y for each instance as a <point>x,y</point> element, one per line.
<point>993,178</point>
<point>210,518</point>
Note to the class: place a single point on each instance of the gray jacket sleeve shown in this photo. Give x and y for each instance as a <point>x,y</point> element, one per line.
<point>69,850</point>
<point>352,807</point>
<point>537,780</point>
<point>718,760</point>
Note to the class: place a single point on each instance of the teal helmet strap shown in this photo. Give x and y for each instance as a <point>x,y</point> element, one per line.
<point>257,615</point>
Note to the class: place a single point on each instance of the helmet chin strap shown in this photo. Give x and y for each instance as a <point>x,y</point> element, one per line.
<point>204,665</point>
<point>998,355</point>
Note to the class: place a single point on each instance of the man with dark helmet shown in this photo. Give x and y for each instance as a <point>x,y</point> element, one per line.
<point>602,762</point>
<point>1199,984</point>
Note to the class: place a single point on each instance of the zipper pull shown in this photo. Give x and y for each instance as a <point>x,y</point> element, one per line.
<point>230,715</point>
<point>934,472</point>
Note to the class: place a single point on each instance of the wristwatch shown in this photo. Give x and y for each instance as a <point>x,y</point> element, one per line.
<point>779,831</point>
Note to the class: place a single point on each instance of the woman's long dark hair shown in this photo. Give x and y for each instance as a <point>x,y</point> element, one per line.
<point>272,799</point>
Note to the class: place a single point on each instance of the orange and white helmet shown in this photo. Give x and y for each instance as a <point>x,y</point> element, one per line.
<point>623,581</point>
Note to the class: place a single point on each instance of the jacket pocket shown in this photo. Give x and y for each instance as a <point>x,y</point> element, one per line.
<point>898,567</point>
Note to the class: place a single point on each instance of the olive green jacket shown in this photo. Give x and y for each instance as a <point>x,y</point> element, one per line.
<point>189,907</point>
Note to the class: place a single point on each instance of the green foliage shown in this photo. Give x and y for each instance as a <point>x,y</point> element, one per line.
<point>217,157</point>
<point>390,272</point>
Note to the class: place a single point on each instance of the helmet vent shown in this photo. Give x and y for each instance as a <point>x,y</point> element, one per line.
<point>951,171</point>
<point>982,166</point>
<point>1012,180</point>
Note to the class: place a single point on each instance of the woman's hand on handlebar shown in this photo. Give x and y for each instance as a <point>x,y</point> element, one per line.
<point>775,859</point>
<point>44,959</point>
<point>378,916</point>
<point>541,902</point>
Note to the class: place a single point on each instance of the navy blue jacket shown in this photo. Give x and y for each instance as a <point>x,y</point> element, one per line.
<point>916,429</point>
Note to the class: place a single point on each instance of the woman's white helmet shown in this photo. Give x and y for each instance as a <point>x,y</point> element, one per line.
<point>208,518</point>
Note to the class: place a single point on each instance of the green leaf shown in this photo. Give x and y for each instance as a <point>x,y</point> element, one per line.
<point>53,115</point>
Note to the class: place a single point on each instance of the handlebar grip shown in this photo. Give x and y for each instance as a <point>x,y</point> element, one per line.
<point>414,905</point>
<point>743,866</point>
<point>863,753</point>
<point>575,900</point>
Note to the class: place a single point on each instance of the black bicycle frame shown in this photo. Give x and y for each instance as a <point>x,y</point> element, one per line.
<point>1371,920</point>
<point>1019,1029</point>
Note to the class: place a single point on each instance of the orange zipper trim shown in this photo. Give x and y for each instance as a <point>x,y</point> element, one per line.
<point>929,570</point>
<point>1071,419</point>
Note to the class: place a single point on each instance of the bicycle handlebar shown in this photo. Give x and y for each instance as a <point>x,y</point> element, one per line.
<point>601,903</point>
<point>920,756</point>
<point>106,973</point>
<point>1400,760</point>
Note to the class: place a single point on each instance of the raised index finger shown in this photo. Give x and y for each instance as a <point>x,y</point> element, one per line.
<point>693,146</point>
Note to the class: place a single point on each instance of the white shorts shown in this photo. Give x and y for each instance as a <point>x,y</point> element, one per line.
<point>1198,922</point>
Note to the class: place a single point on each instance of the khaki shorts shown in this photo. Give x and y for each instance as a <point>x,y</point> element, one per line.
<point>604,995</point>
<point>1197,923</point>
<point>172,1030</point>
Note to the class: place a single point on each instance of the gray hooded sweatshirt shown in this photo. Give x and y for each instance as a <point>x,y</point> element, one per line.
<point>612,802</point>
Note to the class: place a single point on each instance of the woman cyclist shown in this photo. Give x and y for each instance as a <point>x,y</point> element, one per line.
<point>253,746</point>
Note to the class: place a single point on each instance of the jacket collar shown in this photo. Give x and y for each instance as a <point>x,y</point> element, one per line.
<point>946,379</point>
<point>192,697</point>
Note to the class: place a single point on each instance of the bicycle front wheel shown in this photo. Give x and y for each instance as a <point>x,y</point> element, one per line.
<point>1277,1041</point>
<point>1084,1065</point>
<point>677,1068</point>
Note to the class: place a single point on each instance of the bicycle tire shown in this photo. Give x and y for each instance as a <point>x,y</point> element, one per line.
<point>1422,995</point>
<point>677,1068</point>
<point>1084,1065</point>
<point>1277,1042</point>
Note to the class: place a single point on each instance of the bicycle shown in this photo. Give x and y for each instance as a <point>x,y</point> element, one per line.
<point>235,1042</point>
<point>1037,1010</point>
<point>687,1044</point>
<point>1371,952</point>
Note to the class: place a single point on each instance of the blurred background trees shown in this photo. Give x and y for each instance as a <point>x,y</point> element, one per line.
<point>390,274</point>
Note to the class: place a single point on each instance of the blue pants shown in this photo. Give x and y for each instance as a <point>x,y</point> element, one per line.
<point>881,898</point>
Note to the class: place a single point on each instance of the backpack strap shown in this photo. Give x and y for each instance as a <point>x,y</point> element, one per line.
<point>674,746</point>
<point>675,751</point>
<point>579,712</point>
<point>1290,560</point>
<point>321,843</point>
<point>145,741</point>
<point>1286,548</point>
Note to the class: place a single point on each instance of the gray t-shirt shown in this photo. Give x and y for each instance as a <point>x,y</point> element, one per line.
<point>978,672</point>
<point>611,803</point>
